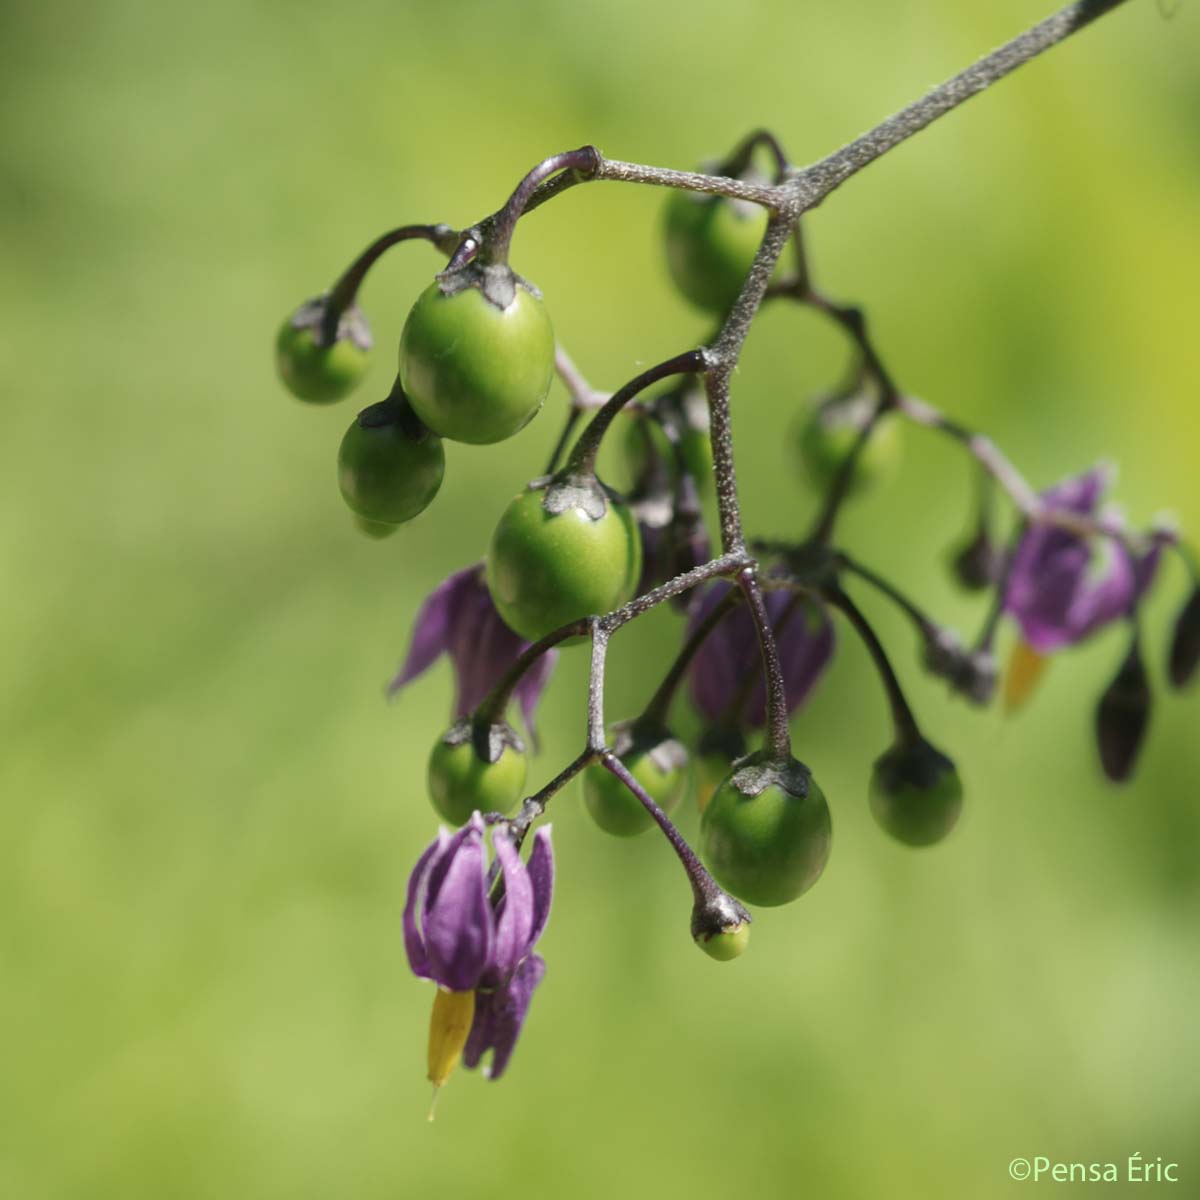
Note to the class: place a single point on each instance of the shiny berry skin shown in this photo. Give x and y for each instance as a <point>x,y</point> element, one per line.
<point>390,466</point>
<point>316,373</point>
<point>726,945</point>
<point>766,832</point>
<point>656,760</point>
<point>473,371</point>
<point>916,794</point>
<point>462,781</point>
<point>711,243</point>
<point>826,436</point>
<point>546,569</point>
<point>376,530</point>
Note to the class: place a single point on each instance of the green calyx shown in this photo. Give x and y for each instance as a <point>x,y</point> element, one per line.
<point>561,551</point>
<point>477,355</point>
<point>658,762</point>
<point>315,368</point>
<point>766,833</point>
<point>916,793</point>
<point>476,767</point>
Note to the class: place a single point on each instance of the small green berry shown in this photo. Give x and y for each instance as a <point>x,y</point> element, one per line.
<point>317,371</point>
<point>655,759</point>
<point>916,794</point>
<point>475,768</point>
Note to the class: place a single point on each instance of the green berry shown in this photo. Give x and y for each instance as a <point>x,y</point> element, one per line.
<point>463,778</point>
<point>312,370</point>
<point>374,529</point>
<point>474,370</point>
<point>390,466</point>
<point>711,242</point>
<point>828,434</point>
<point>655,759</point>
<point>766,832</point>
<point>916,794</point>
<point>727,944</point>
<point>561,552</point>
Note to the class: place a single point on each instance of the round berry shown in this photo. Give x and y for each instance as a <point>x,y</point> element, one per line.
<point>656,760</point>
<point>828,434</point>
<point>475,371</point>
<point>560,553</point>
<point>317,372</point>
<point>390,466</point>
<point>711,242</point>
<point>463,780</point>
<point>374,529</point>
<point>727,944</point>
<point>916,794</point>
<point>766,832</point>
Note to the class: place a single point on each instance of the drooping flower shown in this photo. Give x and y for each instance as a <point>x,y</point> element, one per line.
<point>477,950</point>
<point>459,619</point>
<point>1061,588</point>
<point>726,674</point>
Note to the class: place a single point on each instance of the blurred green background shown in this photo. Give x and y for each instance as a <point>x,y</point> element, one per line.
<point>209,812</point>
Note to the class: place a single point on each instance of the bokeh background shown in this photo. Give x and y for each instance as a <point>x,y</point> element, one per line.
<point>209,812</point>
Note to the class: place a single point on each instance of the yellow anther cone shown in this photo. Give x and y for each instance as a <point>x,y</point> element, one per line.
<point>449,1025</point>
<point>1025,668</point>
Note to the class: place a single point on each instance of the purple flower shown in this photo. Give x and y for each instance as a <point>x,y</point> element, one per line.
<point>455,936</point>
<point>726,674</point>
<point>1059,590</point>
<point>460,620</point>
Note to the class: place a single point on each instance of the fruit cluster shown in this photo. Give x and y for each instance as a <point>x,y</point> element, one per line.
<point>572,559</point>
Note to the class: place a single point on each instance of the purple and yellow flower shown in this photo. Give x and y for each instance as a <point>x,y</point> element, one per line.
<point>458,619</point>
<point>477,949</point>
<point>1062,588</point>
<point>726,674</point>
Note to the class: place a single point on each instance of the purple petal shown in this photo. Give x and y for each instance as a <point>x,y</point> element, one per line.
<point>482,1029</point>
<point>414,943</point>
<point>541,877</point>
<point>499,1016</point>
<point>730,656</point>
<point>529,691</point>
<point>482,647</point>
<point>514,921</point>
<point>458,924</point>
<point>432,628</point>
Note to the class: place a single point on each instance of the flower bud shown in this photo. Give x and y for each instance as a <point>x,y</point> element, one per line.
<point>916,794</point>
<point>1185,642</point>
<point>978,563</point>
<point>1123,715</point>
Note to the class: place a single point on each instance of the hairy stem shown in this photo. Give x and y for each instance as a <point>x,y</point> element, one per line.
<point>810,185</point>
<point>345,291</point>
<point>703,885</point>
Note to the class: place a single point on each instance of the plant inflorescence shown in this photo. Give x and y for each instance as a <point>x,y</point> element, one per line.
<point>573,560</point>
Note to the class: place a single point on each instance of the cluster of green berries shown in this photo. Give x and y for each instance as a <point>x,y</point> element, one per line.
<point>476,359</point>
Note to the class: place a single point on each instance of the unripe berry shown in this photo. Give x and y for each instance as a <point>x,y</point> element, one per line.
<point>916,794</point>
<point>476,370</point>
<point>314,367</point>
<point>476,768</point>
<point>655,759</point>
<point>766,833</point>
